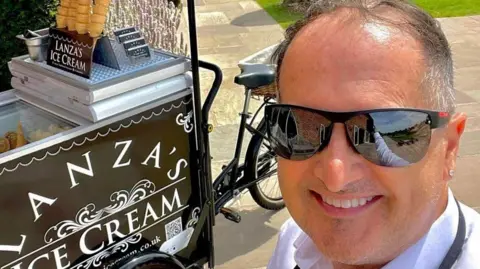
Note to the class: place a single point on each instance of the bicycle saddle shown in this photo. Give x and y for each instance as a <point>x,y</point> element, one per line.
<point>255,75</point>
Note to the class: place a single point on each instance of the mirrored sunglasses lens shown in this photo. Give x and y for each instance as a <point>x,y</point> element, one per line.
<point>276,118</point>
<point>296,133</point>
<point>391,138</point>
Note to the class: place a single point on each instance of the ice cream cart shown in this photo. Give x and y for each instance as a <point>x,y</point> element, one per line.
<point>101,153</point>
<point>83,190</point>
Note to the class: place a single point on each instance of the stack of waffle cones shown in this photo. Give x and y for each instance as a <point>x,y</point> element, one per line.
<point>82,16</point>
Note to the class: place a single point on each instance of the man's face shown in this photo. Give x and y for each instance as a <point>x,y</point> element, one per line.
<point>336,66</point>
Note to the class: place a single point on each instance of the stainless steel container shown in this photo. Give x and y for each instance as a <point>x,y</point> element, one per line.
<point>37,46</point>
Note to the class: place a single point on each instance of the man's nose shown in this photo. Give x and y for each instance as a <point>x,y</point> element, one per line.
<point>336,165</point>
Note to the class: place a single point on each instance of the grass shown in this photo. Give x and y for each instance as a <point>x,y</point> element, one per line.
<point>278,13</point>
<point>450,8</point>
<point>437,8</point>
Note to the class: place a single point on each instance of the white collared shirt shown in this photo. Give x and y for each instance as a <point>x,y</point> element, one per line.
<point>294,247</point>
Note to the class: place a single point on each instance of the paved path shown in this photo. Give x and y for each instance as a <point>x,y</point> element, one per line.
<point>230,30</point>
<point>464,37</point>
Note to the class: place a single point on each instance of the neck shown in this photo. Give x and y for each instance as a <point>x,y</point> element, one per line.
<point>443,202</point>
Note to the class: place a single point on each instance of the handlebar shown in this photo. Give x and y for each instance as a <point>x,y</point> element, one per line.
<point>214,89</point>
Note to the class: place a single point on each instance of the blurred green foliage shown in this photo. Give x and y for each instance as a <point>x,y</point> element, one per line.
<point>16,16</point>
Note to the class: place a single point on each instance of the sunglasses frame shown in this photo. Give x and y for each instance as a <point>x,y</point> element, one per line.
<point>437,118</point>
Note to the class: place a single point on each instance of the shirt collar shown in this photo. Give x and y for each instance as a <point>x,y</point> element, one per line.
<point>428,252</point>
<point>306,255</point>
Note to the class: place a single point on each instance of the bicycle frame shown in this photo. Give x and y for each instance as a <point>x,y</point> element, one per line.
<point>230,182</point>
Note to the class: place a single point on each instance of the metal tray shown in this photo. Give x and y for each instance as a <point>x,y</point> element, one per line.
<point>103,76</point>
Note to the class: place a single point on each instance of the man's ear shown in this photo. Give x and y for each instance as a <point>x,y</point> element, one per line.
<point>455,130</point>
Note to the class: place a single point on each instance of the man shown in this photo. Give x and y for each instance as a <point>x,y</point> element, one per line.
<point>353,206</point>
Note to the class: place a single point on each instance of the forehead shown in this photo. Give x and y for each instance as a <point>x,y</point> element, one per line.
<point>340,63</point>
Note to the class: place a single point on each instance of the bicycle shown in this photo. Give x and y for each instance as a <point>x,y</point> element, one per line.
<point>257,166</point>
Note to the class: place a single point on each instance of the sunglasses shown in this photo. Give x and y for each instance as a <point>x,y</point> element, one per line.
<point>392,137</point>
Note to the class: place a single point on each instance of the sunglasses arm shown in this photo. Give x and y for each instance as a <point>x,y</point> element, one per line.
<point>439,119</point>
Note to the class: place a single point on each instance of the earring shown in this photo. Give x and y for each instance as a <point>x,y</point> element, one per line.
<point>451,172</point>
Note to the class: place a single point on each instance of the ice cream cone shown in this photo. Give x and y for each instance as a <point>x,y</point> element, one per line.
<point>98,19</point>
<point>21,141</point>
<point>12,139</point>
<point>100,10</point>
<point>103,2</point>
<point>72,12</point>
<point>65,3</point>
<point>84,9</point>
<point>62,11</point>
<point>61,21</point>
<point>4,145</point>
<point>82,28</point>
<point>71,24</point>
<point>83,18</point>
<point>74,5</point>
<point>95,29</point>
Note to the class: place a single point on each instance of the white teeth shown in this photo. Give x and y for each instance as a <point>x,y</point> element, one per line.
<point>346,203</point>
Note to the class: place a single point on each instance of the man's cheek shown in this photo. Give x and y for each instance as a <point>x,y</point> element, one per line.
<point>293,190</point>
<point>293,182</point>
<point>287,178</point>
<point>283,177</point>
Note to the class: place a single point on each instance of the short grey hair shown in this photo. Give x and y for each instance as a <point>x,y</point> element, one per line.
<point>437,84</point>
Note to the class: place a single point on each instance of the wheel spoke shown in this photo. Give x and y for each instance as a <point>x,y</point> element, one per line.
<point>265,183</point>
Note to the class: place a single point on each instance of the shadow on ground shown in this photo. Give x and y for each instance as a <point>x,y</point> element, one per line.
<point>254,18</point>
<point>233,240</point>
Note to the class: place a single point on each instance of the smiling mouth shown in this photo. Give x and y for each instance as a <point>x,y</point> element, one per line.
<point>345,207</point>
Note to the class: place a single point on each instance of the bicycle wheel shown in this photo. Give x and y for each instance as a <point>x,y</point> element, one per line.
<point>262,165</point>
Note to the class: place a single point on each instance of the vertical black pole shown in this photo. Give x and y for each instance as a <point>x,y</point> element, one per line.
<point>194,49</point>
<point>200,125</point>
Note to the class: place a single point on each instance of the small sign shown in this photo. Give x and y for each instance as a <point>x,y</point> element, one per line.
<point>123,31</point>
<point>129,36</point>
<point>138,53</point>
<point>74,53</point>
<point>71,52</point>
<point>134,43</point>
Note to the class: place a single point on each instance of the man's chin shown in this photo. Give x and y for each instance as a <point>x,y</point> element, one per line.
<point>349,251</point>
<point>345,255</point>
